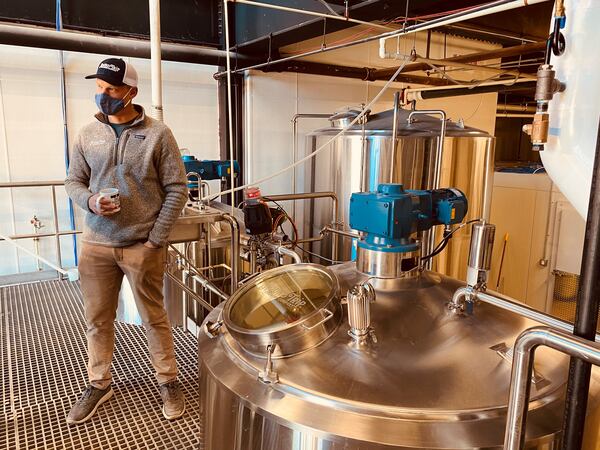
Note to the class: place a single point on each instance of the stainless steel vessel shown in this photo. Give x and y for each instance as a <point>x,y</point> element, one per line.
<point>362,158</point>
<point>421,378</point>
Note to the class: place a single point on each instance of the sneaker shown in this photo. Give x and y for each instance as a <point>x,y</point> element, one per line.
<point>88,403</point>
<point>173,400</point>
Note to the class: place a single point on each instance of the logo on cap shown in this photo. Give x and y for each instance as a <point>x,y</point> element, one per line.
<point>109,67</point>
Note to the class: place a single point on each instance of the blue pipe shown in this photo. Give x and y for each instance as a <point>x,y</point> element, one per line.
<point>65,129</point>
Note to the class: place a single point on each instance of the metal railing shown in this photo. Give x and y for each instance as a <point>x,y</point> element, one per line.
<point>522,366</point>
<point>57,233</point>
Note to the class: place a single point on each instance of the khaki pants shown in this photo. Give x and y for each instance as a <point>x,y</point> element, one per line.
<point>102,269</point>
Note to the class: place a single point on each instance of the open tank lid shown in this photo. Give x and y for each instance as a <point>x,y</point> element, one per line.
<point>289,306</point>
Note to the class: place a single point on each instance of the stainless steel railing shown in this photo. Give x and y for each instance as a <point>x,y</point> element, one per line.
<point>57,233</point>
<point>522,366</point>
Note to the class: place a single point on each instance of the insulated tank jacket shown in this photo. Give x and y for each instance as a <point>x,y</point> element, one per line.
<point>144,164</point>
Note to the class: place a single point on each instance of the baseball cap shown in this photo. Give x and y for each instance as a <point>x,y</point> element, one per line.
<point>116,72</point>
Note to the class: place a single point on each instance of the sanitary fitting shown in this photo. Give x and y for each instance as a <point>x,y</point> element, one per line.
<point>479,264</point>
<point>547,85</point>
<point>480,254</point>
<point>211,329</point>
<point>463,300</point>
<point>359,299</point>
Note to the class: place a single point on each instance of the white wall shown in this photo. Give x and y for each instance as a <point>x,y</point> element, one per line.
<point>31,133</point>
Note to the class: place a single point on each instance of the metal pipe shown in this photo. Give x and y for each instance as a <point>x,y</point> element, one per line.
<point>63,98</point>
<point>155,60</point>
<point>232,142</point>
<point>284,251</point>
<point>478,11</point>
<point>235,250</point>
<point>515,116</point>
<point>8,173</point>
<point>295,147</point>
<point>200,186</point>
<point>29,252</point>
<point>411,94</point>
<point>56,228</point>
<point>487,55</point>
<point>429,236</point>
<point>253,256</point>
<point>210,286</point>
<point>586,315</point>
<point>525,345</point>
<point>515,108</point>
<point>16,184</point>
<point>458,90</point>
<point>39,37</point>
<point>16,237</point>
<point>472,13</point>
<point>394,134</point>
<point>190,292</point>
<point>315,195</point>
<point>341,232</point>
<point>447,62</point>
<point>508,304</point>
<point>311,13</point>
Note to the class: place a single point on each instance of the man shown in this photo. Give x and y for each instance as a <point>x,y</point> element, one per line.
<point>126,150</point>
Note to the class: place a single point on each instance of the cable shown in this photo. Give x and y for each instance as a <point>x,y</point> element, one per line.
<point>447,236</point>
<point>282,209</point>
<point>325,146</point>
<point>316,255</point>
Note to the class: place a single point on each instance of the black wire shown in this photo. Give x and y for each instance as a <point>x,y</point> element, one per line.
<point>556,43</point>
<point>447,236</point>
<point>319,256</point>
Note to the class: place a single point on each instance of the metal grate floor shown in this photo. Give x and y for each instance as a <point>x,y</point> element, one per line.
<point>43,371</point>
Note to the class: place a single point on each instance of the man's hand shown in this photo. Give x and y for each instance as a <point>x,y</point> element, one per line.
<point>151,245</point>
<point>105,206</point>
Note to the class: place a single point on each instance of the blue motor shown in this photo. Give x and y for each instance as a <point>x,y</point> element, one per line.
<point>391,215</point>
<point>208,169</point>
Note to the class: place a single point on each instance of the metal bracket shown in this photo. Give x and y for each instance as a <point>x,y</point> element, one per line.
<point>506,353</point>
<point>268,375</point>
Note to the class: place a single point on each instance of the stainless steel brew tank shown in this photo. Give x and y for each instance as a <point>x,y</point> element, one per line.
<point>430,380</point>
<point>360,159</point>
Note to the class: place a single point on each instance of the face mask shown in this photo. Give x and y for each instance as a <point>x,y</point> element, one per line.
<point>109,105</point>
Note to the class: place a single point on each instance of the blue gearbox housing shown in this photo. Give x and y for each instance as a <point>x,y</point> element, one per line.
<point>391,215</point>
<point>208,169</point>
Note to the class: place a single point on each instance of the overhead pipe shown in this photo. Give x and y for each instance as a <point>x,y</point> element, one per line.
<point>155,60</point>
<point>586,316</point>
<point>39,37</point>
<point>515,109</point>
<point>311,13</point>
<point>487,55</point>
<point>478,11</point>
<point>472,13</point>
<point>411,95</point>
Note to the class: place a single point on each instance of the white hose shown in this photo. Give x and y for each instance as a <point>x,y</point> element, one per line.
<point>72,274</point>
<point>321,148</point>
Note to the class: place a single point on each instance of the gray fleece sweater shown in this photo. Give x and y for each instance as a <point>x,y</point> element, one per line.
<point>146,167</point>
